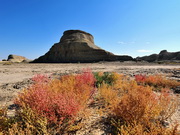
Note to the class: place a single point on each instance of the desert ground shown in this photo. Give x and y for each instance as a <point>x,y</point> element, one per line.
<point>16,76</point>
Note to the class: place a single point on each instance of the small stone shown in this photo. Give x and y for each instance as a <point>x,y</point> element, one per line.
<point>177,90</point>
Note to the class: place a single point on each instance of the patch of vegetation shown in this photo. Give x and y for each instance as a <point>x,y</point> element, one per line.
<point>57,106</point>
<point>137,109</point>
<point>156,81</point>
<point>104,77</point>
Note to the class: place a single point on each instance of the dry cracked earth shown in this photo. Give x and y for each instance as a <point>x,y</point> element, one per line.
<point>15,77</point>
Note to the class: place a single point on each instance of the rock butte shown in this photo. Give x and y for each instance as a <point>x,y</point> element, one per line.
<point>78,46</point>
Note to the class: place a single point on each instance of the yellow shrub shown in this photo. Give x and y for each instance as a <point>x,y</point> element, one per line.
<point>109,95</point>
<point>138,109</point>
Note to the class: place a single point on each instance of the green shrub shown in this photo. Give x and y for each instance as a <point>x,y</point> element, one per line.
<point>104,77</point>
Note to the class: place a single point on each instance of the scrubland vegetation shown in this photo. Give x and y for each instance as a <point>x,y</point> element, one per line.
<point>135,106</point>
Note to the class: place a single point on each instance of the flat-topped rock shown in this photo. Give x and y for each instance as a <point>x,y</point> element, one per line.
<point>77,46</point>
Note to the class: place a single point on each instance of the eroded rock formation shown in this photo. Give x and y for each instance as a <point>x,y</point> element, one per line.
<point>16,58</point>
<point>78,46</point>
<point>162,56</point>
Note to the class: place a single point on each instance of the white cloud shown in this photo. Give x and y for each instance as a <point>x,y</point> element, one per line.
<point>121,42</point>
<point>144,51</point>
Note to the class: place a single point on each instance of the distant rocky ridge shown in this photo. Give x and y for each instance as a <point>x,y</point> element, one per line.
<point>162,56</point>
<point>16,58</point>
<point>78,46</point>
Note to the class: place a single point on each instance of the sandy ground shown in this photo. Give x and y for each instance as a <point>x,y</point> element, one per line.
<point>18,72</point>
<point>15,77</point>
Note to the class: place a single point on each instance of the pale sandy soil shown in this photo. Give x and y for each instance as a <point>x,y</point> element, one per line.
<point>15,77</point>
<point>18,72</point>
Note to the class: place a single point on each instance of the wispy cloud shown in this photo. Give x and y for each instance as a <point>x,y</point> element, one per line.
<point>124,43</point>
<point>144,51</point>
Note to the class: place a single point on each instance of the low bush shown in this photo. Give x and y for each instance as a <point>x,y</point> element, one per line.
<point>3,119</point>
<point>105,77</point>
<point>135,128</point>
<point>59,101</point>
<point>56,106</point>
<point>137,109</point>
<point>157,81</point>
<point>27,121</point>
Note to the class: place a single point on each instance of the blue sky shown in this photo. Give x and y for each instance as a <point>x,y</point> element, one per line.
<point>133,27</point>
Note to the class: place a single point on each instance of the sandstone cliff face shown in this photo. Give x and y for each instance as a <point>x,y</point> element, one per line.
<point>77,46</point>
<point>163,55</point>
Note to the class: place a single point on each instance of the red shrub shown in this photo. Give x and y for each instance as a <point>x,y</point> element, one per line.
<point>140,78</point>
<point>39,78</point>
<point>85,82</point>
<point>157,81</point>
<point>58,100</point>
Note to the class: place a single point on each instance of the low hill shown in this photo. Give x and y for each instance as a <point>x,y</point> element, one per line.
<point>162,56</point>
